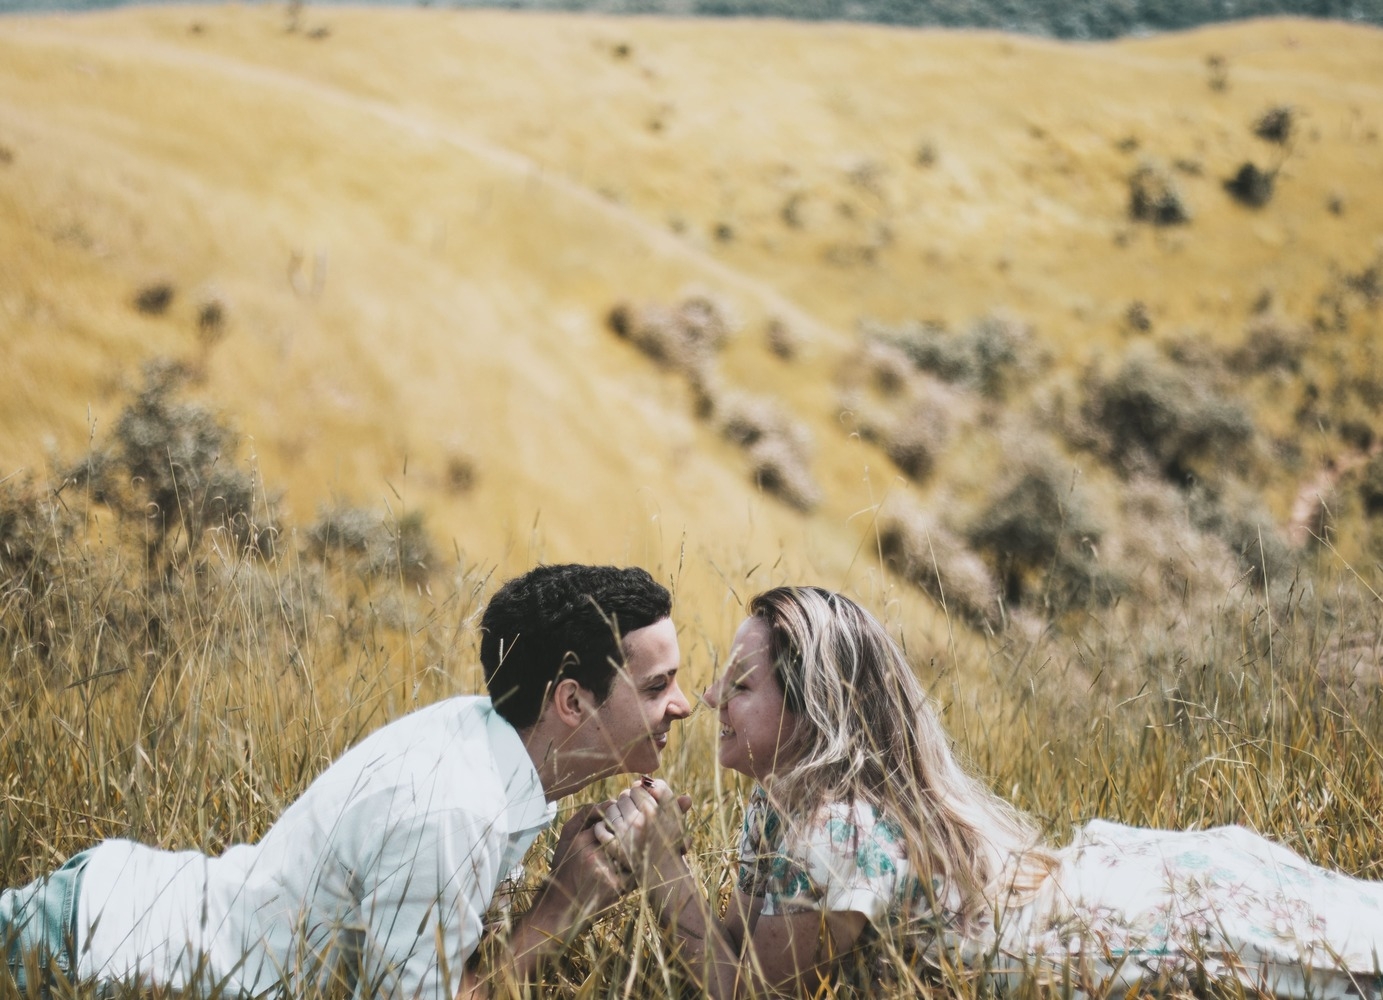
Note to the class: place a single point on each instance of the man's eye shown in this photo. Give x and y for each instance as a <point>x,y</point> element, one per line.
<point>657,686</point>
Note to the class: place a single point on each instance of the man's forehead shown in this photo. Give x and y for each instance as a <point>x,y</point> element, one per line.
<point>652,650</point>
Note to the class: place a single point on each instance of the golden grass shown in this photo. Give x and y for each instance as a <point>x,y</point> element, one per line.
<point>417,223</point>
<point>187,701</point>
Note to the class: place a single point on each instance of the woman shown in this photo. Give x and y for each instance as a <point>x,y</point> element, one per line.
<point>864,827</point>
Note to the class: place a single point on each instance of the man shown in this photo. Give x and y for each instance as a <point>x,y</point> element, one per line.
<point>377,879</point>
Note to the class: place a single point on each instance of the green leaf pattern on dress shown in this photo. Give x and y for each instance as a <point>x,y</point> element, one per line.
<point>1127,907</point>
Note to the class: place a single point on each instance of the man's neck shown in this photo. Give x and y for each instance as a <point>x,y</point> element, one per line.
<point>562,767</point>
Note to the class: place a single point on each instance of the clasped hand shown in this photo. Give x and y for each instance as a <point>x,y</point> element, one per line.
<point>582,870</point>
<point>642,832</point>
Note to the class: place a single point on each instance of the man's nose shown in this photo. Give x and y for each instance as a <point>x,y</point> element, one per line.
<point>678,706</point>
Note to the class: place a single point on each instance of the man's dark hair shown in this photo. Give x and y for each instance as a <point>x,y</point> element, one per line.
<point>562,621</point>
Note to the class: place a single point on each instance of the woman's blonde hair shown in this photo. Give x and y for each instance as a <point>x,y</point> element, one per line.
<point>867,730</point>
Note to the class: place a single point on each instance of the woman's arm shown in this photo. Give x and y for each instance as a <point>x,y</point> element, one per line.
<point>743,954</point>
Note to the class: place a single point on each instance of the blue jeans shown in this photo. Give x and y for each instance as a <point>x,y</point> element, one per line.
<point>38,926</point>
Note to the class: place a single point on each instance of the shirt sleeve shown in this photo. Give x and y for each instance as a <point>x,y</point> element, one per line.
<point>855,860</point>
<point>424,907</point>
<point>848,858</point>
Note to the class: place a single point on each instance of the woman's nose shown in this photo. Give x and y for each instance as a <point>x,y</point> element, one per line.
<point>712,695</point>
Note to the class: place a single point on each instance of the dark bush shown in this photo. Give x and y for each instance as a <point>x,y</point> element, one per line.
<point>779,469</point>
<point>988,356</point>
<point>154,300</point>
<point>782,342</point>
<point>1251,536</point>
<point>914,439</point>
<point>372,546</point>
<point>1270,342</point>
<point>1371,486</point>
<point>683,338</point>
<point>1155,197</point>
<point>778,446</point>
<point>178,457</point>
<point>938,563</point>
<point>1276,124</point>
<point>1251,186</point>
<point>1037,534</point>
<point>211,321</point>
<point>461,475</point>
<point>1154,416</point>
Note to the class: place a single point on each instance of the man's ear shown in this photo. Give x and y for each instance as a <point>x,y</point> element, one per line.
<point>571,702</point>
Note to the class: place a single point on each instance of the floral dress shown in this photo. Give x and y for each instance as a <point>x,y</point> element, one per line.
<point>1126,906</point>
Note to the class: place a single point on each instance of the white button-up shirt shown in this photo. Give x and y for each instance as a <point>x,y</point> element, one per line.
<point>378,877</point>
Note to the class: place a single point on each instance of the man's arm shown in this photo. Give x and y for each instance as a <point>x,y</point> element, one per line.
<point>582,884</point>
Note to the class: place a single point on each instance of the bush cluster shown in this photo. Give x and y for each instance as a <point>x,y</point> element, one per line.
<point>1153,416</point>
<point>371,545</point>
<point>935,560</point>
<point>686,338</point>
<point>988,356</point>
<point>1155,196</point>
<point>1040,538</point>
<point>170,493</point>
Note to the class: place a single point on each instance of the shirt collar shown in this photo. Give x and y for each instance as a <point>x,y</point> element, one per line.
<point>528,805</point>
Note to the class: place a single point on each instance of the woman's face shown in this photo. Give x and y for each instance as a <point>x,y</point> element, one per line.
<point>755,722</point>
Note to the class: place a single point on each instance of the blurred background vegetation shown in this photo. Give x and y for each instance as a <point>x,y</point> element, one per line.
<point>1092,19</point>
<point>1063,359</point>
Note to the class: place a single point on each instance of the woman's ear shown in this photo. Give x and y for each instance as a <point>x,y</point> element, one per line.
<point>571,702</point>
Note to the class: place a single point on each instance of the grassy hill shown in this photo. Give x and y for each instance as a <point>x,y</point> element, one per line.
<point>1064,358</point>
<point>410,227</point>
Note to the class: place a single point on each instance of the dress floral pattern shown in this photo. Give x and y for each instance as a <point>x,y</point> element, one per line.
<point>1126,907</point>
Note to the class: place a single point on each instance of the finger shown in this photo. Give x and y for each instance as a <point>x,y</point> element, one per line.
<point>628,806</point>
<point>643,800</point>
<point>586,815</point>
<point>684,802</point>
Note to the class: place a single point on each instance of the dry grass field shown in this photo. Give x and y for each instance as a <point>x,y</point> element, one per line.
<point>1066,359</point>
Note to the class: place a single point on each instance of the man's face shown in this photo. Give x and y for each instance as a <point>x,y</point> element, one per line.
<point>630,727</point>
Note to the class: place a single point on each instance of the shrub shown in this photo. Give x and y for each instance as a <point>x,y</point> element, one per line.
<point>1270,342</point>
<point>367,544</point>
<point>779,447</point>
<point>931,558</point>
<point>985,357</point>
<point>1276,124</point>
<point>1155,196</point>
<point>779,469</point>
<point>1151,415</point>
<point>1037,529</point>
<point>1251,186</point>
<point>782,342</point>
<point>154,300</point>
<point>461,474</point>
<point>887,366</point>
<point>178,456</point>
<point>683,338</point>
<point>211,321</point>
<point>1251,536</point>
<point>914,439</point>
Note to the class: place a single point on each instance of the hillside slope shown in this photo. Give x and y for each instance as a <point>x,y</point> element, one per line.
<point>411,226</point>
